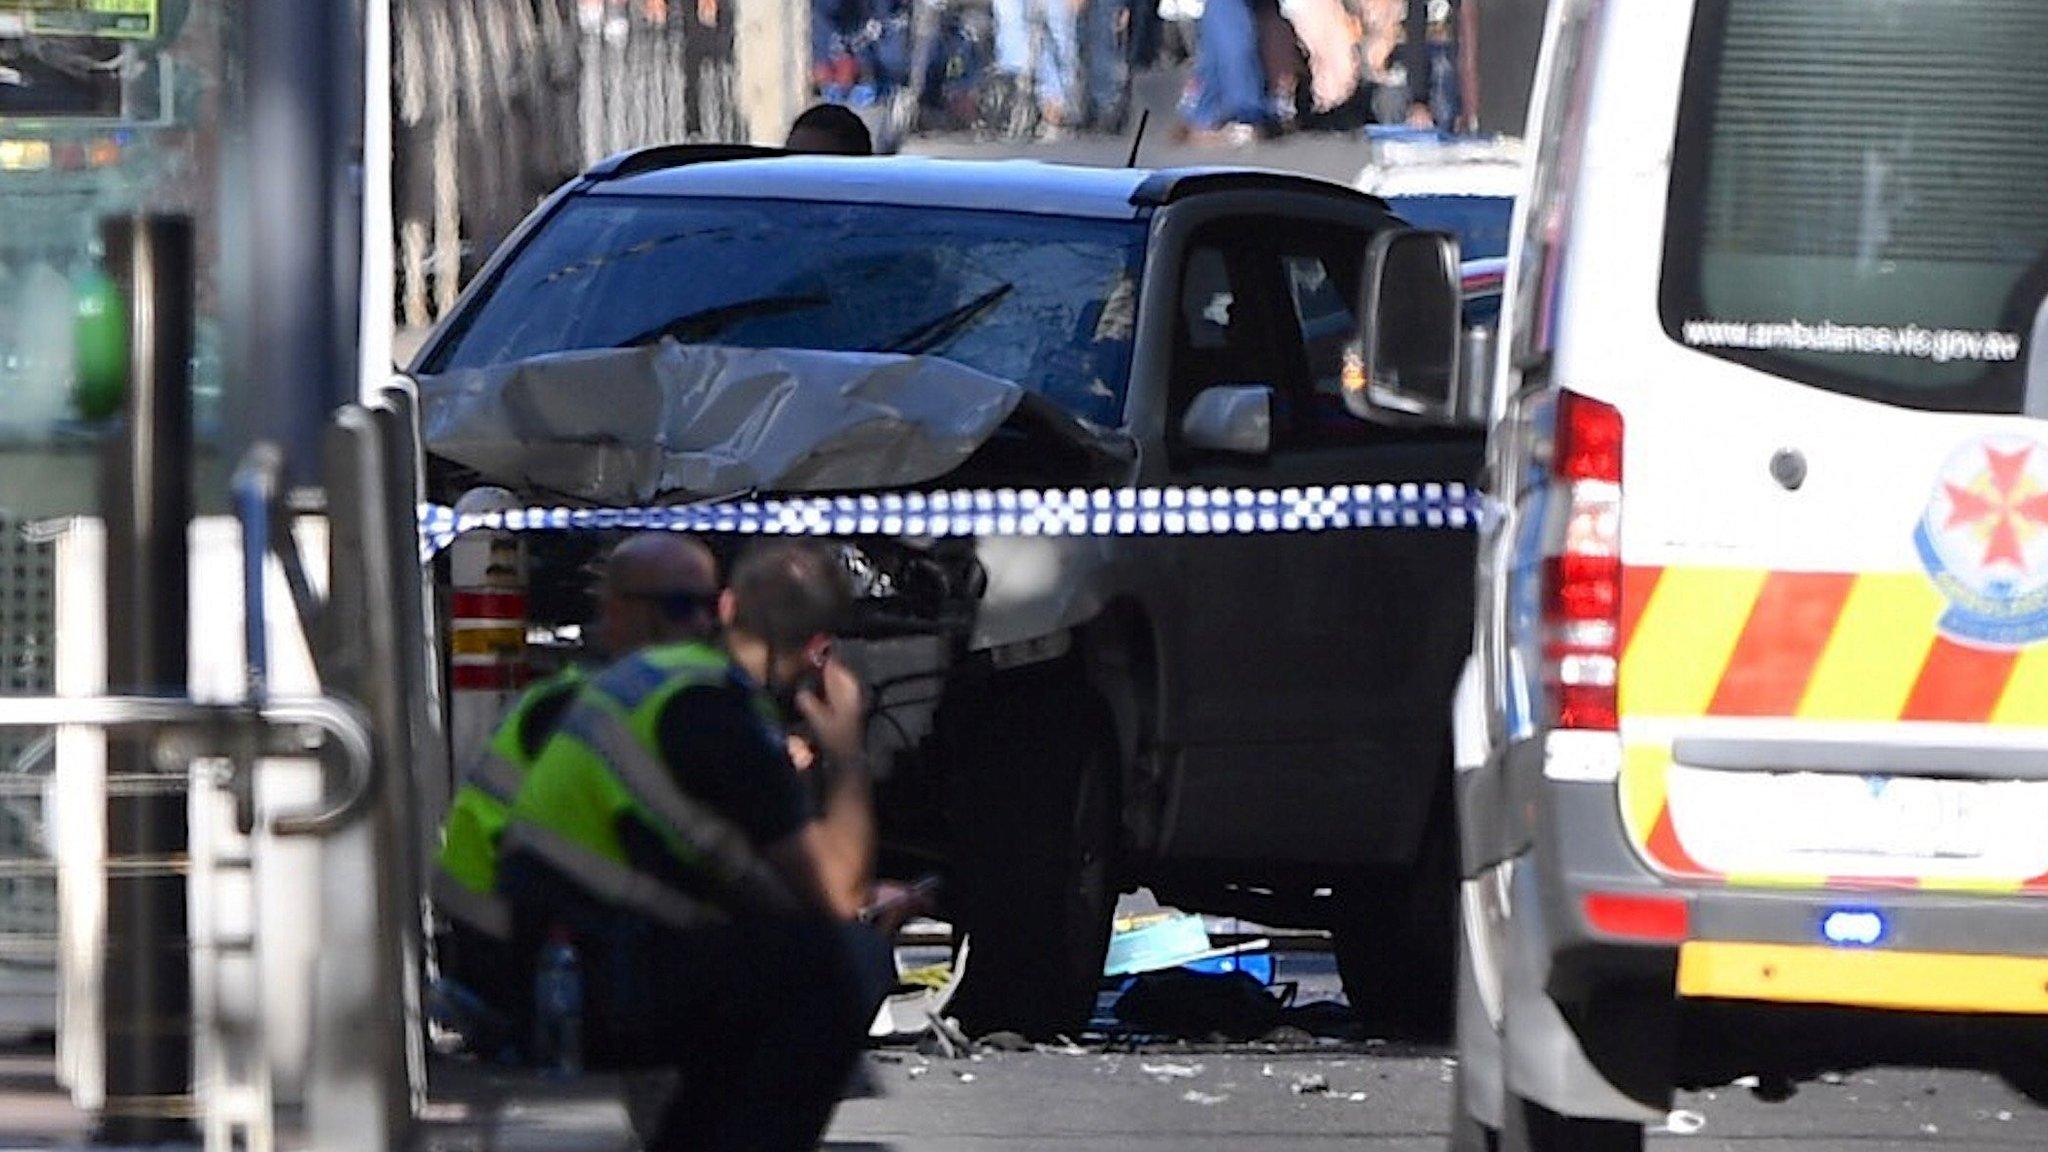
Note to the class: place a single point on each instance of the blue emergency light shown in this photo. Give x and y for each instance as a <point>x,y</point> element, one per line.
<point>1854,927</point>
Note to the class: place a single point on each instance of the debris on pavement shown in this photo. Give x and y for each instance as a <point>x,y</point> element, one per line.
<point>1311,1084</point>
<point>1154,942</point>
<point>942,1037</point>
<point>1179,1002</point>
<point>1065,1047</point>
<point>1004,1042</point>
<point>1288,1036</point>
<point>1683,1122</point>
<point>1202,1098</point>
<point>1165,1072</point>
<point>964,1077</point>
<point>922,994</point>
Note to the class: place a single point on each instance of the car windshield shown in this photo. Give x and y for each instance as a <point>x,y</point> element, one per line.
<point>1047,302</point>
<point>1860,196</point>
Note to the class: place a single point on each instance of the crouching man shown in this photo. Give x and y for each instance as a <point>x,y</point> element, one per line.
<point>664,833</point>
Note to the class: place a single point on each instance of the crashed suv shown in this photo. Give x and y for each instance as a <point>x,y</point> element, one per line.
<point>1251,725</point>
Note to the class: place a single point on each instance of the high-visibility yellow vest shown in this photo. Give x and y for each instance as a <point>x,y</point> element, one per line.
<point>604,764</point>
<point>482,804</point>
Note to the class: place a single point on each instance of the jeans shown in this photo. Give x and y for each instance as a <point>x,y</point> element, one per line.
<point>1230,84</point>
<point>1036,38</point>
<point>1101,75</point>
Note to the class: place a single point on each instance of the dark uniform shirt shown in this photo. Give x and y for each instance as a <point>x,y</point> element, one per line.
<point>724,756</point>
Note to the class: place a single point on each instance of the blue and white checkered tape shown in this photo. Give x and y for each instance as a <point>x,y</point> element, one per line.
<point>1006,512</point>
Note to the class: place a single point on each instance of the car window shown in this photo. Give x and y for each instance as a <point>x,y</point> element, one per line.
<point>1324,317</point>
<point>1219,338</point>
<point>1207,299</point>
<point>1859,196</point>
<point>1046,302</point>
<point>1320,268</point>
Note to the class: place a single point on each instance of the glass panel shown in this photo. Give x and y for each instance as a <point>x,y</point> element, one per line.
<point>1860,195</point>
<point>1047,302</point>
<point>107,107</point>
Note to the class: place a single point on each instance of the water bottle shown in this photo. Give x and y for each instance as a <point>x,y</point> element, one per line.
<point>558,1009</point>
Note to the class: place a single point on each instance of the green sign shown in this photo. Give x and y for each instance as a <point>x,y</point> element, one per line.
<point>110,19</point>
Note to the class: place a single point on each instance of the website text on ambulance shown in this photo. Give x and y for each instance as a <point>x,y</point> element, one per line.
<point>1941,345</point>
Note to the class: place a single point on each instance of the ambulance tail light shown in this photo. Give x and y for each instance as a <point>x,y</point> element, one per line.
<point>1656,918</point>
<point>1582,570</point>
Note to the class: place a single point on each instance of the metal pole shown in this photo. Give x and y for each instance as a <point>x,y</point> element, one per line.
<point>147,492</point>
<point>305,240</point>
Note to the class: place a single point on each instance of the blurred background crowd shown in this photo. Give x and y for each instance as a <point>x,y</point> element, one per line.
<point>1245,68</point>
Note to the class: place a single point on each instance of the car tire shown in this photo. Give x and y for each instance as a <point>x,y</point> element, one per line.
<point>1036,822</point>
<point>2028,1077</point>
<point>1395,937</point>
<point>1530,1127</point>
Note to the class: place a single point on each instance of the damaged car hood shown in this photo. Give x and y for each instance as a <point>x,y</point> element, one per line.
<point>671,422</point>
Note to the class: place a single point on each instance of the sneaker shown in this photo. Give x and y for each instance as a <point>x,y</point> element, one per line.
<point>1235,135</point>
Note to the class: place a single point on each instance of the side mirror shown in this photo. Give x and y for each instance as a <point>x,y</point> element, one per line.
<point>1403,368</point>
<point>1234,418</point>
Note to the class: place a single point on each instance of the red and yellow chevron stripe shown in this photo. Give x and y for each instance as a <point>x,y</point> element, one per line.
<point>1821,646</point>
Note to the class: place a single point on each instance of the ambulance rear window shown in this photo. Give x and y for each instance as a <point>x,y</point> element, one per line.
<point>1859,196</point>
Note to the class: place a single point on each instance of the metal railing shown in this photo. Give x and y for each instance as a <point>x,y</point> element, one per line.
<point>188,731</point>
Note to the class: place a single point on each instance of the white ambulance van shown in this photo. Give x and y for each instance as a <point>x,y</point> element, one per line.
<point>1753,746</point>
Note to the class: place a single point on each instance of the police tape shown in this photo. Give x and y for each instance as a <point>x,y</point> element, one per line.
<point>1005,512</point>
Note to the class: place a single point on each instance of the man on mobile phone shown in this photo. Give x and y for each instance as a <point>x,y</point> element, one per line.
<point>664,833</point>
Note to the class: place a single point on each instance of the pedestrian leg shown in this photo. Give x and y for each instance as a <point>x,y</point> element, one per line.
<point>1058,61</point>
<point>1227,48</point>
<point>1103,75</point>
<point>1013,35</point>
<point>1146,39</point>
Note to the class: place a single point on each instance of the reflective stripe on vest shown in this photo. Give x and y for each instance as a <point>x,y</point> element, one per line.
<point>605,763</point>
<point>481,911</point>
<point>608,880</point>
<point>495,776</point>
<point>700,837</point>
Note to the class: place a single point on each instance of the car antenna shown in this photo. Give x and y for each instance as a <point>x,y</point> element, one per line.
<point>1138,137</point>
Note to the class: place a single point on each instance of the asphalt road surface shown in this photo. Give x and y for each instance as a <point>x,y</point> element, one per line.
<point>1384,1101</point>
<point>1361,1094</point>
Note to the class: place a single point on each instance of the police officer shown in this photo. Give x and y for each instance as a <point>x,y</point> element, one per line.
<point>658,587</point>
<point>664,831</point>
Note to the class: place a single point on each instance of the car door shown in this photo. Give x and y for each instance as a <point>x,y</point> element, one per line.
<point>1322,661</point>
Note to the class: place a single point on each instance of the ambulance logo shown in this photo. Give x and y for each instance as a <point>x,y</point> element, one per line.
<point>1984,540</point>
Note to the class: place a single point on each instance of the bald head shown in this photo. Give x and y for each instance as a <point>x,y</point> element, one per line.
<point>659,588</point>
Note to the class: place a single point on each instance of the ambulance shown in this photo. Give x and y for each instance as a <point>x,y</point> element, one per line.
<point>1752,750</point>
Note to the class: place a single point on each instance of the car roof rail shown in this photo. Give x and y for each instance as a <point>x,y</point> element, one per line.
<point>1169,185</point>
<point>656,157</point>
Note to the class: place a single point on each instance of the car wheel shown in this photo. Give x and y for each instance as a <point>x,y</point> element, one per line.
<point>2028,1077</point>
<point>1530,1127</point>
<point>1395,937</point>
<point>1036,819</point>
